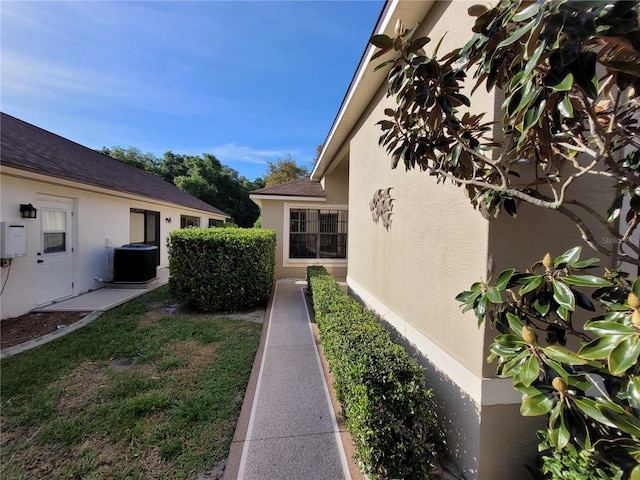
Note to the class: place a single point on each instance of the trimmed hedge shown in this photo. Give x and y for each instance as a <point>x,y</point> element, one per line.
<point>385,404</point>
<point>221,269</point>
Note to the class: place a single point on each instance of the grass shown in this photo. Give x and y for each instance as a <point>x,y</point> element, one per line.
<point>139,393</point>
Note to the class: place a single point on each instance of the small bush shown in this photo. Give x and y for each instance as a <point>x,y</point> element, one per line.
<point>221,269</point>
<point>385,404</point>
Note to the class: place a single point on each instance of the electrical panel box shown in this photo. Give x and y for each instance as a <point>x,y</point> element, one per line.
<point>13,240</point>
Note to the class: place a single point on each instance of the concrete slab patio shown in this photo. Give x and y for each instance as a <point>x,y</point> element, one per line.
<point>288,427</point>
<point>108,297</point>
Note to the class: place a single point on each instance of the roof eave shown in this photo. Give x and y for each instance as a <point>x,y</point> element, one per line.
<point>366,82</point>
<point>297,198</point>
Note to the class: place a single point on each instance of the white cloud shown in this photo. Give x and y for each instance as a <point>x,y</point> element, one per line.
<point>232,152</point>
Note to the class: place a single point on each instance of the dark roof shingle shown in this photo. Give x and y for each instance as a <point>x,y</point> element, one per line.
<point>31,148</point>
<point>298,188</point>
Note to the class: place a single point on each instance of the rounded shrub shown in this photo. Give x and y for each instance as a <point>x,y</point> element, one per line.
<point>221,269</point>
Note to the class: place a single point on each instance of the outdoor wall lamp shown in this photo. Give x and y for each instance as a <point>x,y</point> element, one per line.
<point>28,210</point>
<point>168,219</point>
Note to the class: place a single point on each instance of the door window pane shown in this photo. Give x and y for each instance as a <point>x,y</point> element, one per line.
<point>54,231</point>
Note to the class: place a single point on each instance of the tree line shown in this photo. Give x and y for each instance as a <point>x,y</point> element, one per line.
<point>206,178</point>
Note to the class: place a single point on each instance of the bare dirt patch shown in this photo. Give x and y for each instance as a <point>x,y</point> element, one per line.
<point>16,330</point>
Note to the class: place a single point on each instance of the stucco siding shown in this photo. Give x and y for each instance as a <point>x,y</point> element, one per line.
<point>435,247</point>
<point>100,222</point>
<point>336,183</point>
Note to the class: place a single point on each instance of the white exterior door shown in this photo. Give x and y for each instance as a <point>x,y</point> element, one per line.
<point>55,255</point>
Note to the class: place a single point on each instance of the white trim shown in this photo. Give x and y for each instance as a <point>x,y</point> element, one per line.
<point>287,197</point>
<point>483,391</point>
<point>300,262</point>
<point>254,406</point>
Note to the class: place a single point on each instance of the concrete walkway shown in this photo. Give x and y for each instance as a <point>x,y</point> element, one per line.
<point>288,428</point>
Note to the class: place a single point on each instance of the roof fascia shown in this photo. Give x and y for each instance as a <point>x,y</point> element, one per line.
<point>287,197</point>
<point>365,82</point>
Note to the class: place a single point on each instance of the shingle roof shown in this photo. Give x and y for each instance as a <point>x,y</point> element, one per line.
<point>31,148</point>
<point>299,188</point>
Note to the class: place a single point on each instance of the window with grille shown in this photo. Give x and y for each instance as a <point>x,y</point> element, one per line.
<point>317,233</point>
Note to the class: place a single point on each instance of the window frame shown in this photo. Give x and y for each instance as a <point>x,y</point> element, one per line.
<point>297,262</point>
<point>185,219</point>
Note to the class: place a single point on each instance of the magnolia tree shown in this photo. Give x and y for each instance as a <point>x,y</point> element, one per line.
<point>569,73</point>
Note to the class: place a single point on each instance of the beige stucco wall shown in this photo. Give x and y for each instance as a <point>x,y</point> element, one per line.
<point>437,244</point>
<point>99,219</point>
<point>274,212</point>
<point>410,274</point>
<point>436,247</point>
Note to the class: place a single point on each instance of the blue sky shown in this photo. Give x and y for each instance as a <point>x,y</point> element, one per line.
<point>249,82</point>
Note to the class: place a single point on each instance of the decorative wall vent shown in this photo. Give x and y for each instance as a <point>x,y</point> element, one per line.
<point>381,205</point>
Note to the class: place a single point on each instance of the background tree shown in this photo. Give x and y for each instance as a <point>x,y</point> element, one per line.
<point>133,156</point>
<point>204,177</point>
<point>284,171</point>
<point>570,76</point>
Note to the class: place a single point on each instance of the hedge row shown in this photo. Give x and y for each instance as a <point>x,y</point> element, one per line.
<point>221,269</point>
<point>385,404</point>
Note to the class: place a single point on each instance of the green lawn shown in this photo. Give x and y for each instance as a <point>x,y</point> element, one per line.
<point>139,393</point>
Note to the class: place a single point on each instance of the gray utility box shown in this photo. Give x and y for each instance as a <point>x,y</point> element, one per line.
<point>135,262</point>
<point>13,240</point>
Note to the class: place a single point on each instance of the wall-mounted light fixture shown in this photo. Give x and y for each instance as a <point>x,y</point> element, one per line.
<point>28,210</point>
<point>168,219</point>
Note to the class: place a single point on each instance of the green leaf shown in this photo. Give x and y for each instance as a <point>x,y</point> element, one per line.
<point>563,355</point>
<point>568,258</point>
<point>418,43</point>
<point>515,323</point>
<point>591,408</point>
<point>503,279</point>
<point>493,294</point>
<point>505,350</point>
<point>599,348</point>
<point>530,370</point>
<point>536,405</point>
<point>563,313</point>
<point>633,393</point>
<point>565,107</point>
<point>614,209</point>
<point>624,421</point>
<point>527,13</point>
<point>624,355</point>
<point>509,340</point>
<point>565,85</point>
<point>635,288</point>
<point>381,41</point>
<point>533,283</point>
<point>583,301</point>
<point>585,263</point>
<point>563,295</point>
<point>517,35</point>
<point>586,281</point>
<point>542,307</point>
<point>563,433</point>
<point>465,297</point>
<point>609,328</point>
<point>510,207</point>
